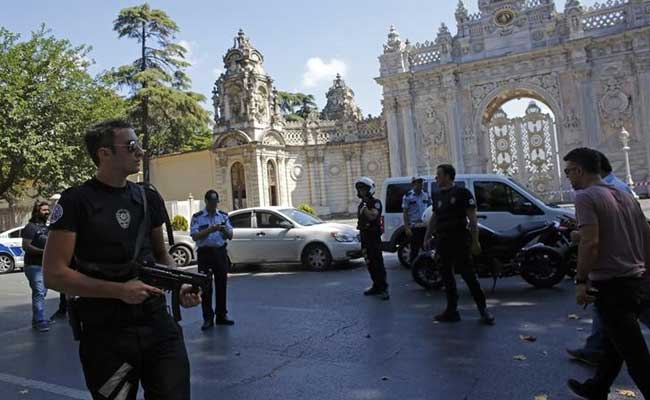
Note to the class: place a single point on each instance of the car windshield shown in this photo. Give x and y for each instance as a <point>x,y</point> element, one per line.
<point>301,217</point>
<point>531,194</point>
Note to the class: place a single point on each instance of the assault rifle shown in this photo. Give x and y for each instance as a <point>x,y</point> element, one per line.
<point>169,279</point>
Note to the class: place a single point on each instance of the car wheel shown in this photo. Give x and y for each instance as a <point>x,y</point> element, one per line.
<point>316,257</point>
<point>6,263</point>
<point>181,255</point>
<point>403,253</point>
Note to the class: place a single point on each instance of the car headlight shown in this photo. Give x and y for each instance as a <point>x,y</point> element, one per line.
<point>344,237</point>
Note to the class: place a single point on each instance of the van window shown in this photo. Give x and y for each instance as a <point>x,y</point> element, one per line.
<point>394,194</point>
<point>497,196</point>
<point>242,220</point>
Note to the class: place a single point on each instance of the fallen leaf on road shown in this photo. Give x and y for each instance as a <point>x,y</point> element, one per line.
<point>580,329</point>
<point>527,338</point>
<point>520,357</point>
<point>541,397</point>
<point>237,353</point>
<point>384,378</point>
<point>368,336</point>
<point>545,352</point>
<point>24,391</point>
<point>626,393</point>
<point>573,316</point>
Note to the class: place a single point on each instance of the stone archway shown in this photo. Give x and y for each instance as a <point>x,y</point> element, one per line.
<point>238,185</point>
<point>524,148</point>
<point>272,183</point>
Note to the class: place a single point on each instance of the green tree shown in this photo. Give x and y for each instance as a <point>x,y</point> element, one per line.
<point>47,100</point>
<point>168,115</point>
<point>296,106</point>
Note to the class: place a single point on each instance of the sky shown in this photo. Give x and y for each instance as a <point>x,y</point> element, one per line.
<point>305,44</point>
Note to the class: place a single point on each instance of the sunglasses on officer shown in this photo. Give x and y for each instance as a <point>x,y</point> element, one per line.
<point>131,146</point>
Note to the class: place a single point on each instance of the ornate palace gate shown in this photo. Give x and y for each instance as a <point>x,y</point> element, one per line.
<point>589,64</point>
<point>525,148</point>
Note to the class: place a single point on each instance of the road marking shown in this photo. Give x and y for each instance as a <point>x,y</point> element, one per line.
<point>45,387</point>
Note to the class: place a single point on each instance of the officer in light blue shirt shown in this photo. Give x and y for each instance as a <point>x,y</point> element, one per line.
<point>414,203</point>
<point>211,229</point>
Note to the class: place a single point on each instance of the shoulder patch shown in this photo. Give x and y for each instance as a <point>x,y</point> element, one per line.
<point>57,213</point>
<point>197,214</point>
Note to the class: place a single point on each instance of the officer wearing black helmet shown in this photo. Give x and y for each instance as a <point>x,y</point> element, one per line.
<point>211,229</point>
<point>126,337</point>
<point>369,225</point>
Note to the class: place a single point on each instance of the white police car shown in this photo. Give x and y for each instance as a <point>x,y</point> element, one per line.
<point>11,250</point>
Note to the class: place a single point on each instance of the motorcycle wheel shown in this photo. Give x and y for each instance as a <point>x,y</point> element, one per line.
<point>543,268</point>
<point>426,272</point>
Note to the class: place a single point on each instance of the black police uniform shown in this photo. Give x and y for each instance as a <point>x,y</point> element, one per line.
<point>371,243</point>
<point>454,244</point>
<point>121,344</point>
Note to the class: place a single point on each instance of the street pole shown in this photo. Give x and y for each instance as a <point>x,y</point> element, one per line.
<point>625,140</point>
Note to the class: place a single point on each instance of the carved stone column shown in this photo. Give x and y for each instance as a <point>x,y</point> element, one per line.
<point>348,153</point>
<point>642,112</point>
<point>393,133</point>
<point>408,127</point>
<point>589,106</point>
<point>310,158</point>
<point>320,159</point>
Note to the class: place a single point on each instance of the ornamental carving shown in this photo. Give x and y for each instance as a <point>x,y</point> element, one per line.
<point>271,140</point>
<point>615,105</point>
<point>433,140</point>
<point>548,82</point>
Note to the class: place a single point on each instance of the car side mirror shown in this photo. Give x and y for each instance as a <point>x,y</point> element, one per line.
<point>285,224</point>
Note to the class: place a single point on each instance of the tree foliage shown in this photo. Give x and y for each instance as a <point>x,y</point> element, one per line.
<point>167,114</point>
<point>47,100</point>
<point>296,106</point>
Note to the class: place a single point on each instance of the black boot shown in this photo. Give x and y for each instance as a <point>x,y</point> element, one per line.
<point>586,390</point>
<point>486,317</point>
<point>207,325</point>
<point>447,316</point>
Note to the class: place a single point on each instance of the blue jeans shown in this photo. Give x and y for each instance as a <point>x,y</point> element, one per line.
<point>596,341</point>
<point>34,274</point>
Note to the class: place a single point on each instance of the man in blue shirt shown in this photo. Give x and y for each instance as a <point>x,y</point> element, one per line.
<point>414,202</point>
<point>211,229</point>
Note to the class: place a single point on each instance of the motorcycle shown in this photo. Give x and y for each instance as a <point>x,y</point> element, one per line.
<point>561,240</point>
<point>525,250</point>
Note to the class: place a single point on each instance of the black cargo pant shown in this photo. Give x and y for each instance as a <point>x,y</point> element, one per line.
<point>214,260</point>
<point>456,257</point>
<point>371,247</point>
<point>620,302</point>
<point>117,357</point>
<point>416,242</point>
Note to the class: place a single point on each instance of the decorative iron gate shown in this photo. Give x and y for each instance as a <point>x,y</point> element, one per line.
<point>525,148</point>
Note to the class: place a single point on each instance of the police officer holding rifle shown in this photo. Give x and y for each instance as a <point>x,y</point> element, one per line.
<point>105,227</point>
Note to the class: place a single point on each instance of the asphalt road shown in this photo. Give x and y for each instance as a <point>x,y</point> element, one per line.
<point>310,335</point>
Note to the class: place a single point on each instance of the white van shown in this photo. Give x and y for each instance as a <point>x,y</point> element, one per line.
<point>501,203</point>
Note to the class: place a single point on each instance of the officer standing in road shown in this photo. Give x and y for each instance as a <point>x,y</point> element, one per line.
<point>414,203</point>
<point>369,225</point>
<point>126,336</point>
<point>457,242</point>
<point>211,229</point>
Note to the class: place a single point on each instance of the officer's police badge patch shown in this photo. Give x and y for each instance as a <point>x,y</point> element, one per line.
<point>453,200</point>
<point>57,213</point>
<point>439,203</point>
<point>123,218</point>
<point>472,202</point>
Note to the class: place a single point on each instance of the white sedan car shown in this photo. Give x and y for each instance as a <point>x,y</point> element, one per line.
<point>286,235</point>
